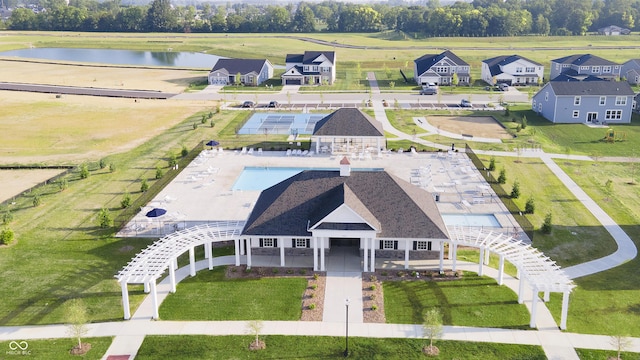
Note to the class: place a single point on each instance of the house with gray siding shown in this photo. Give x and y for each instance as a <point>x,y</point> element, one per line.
<point>583,65</point>
<point>631,71</point>
<point>310,68</point>
<point>585,102</point>
<point>438,69</point>
<point>251,72</point>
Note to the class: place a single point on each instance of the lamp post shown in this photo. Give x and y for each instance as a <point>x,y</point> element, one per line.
<point>346,349</point>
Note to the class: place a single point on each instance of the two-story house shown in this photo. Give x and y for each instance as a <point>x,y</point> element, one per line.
<point>249,72</point>
<point>511,70</point>
<point>310,68</point>
<point>587,102</point>
<point>583,65</point>
<point>438,69</point>
<point>630,70</point>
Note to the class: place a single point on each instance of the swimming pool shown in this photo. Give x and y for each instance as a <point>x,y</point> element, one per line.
<point>281,124</point>
<point>254,178</point>
<point>471,220</point>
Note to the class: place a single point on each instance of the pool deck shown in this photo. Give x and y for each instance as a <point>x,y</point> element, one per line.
<point>202,192</point>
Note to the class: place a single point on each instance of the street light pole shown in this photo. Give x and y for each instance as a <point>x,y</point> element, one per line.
<point>346,349</point>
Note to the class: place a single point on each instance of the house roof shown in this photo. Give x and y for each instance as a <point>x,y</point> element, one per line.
<point>495,63</point>
<point>425,62</point>
<point>242,66</point>
<point>309,56</point>
<point>595,88</point>
<point>611,28</point>
<point>397,208</point>
<point>348,122</point>
<point>583,59</point>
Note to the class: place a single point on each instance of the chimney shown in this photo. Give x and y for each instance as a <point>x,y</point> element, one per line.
<point>345,167</point>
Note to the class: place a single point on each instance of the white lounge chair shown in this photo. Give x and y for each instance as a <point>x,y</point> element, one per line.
<point>259,151</point>
<point>305,153</point>
<point>288,153</point>
<point>250,152</point>
<point>220,151</point>
<point>244,150</point>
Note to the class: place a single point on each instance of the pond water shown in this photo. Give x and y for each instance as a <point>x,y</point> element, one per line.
<point>119,57</point>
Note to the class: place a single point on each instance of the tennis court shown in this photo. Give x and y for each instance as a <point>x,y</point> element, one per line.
<point>281,124</point>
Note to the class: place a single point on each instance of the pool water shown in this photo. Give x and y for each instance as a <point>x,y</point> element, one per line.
<point>255,178</point>
<point>471,220</point>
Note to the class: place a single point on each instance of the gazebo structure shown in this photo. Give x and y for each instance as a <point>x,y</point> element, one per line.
<point>349,131</point>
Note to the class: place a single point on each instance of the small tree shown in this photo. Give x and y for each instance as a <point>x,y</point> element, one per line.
<point>103,163</point>
<point>104,218</point>
<point>530,206</point>
<point>112,167</point>
<point>7,217</point>
<point>77,326</point>
<point>515,190</point>
<point>506,108</point>
<point>547,225</point>
<point>126,200</point>
<point>254,327</point>
<point>432,329</point>
<point>523,122</point>
<point>620,343</point>
<point>63,184</point>
<point>238,79</point>
<point>144,186</point>
<point>159,172</point>
<point>172,160</point>
<point>608,189</point>
<point>36,200</point>
<point>492,163</point>
<point>502,178</point>
<point>184,151</point>
<point>6,236</point>
<point>84,171</point>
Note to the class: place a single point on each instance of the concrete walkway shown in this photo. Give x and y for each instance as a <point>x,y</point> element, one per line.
<point>341,286</point>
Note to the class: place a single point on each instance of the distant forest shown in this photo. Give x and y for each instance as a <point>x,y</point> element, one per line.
<point>478,18</point>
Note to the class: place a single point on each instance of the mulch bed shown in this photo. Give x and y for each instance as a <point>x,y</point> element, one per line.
<point>80,350</point>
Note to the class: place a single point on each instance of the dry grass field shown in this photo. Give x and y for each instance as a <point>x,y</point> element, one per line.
<point>15,181</point>
<point>478,126</point>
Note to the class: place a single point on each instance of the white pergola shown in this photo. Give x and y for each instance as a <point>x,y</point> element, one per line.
<point>151,263</point>
<point>534,268</point>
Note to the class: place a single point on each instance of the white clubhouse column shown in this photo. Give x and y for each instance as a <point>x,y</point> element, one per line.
<point>282,252</point>
<point>236,244</point>
<point>125,300</point>
<point>373,254</point>
<point>480,263</point>
<point>315,253</point>
<point>441,255</point>
<point>406,254</point>
<point>192,262</point>
<point>565,310</point>
<point>501,270</point>
<point>454,255</point>
<point>248,242</point>
<point>172,276</point>
<point>365,261</point>
<point>534,308</point>
<point>154,299</point>
<point>209,246</point>
<point>322,268</point>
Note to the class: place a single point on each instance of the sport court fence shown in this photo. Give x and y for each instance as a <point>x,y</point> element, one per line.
<point>513,208</point>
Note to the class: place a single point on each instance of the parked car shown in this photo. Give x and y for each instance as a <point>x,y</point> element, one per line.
<point>429,90</point>
<point>465,103</point>
<point>248,104</point>
<point>273,104</point>
<point>502,87</point>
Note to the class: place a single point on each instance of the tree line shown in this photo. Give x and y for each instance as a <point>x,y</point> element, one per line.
<point>478,18</point>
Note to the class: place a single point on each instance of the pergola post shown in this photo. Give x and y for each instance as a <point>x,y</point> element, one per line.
<point>206,250</point>
<point>366,256</point>
<point>441,255</point>
<point>373,254</point>
<point>172,276</point>
<point>454,256</point>
<point>236,244</point>
<point>565,310</point>
<point>501,270</point>
<point>487,255</point>
<point>315,253</point>
<point>209,246</point>
<point>406,254</point>
<point>125,300</point>
<point>154,299</point>
<point>282,253</point>
<point>521,291</point>
<point>534,308</point>
<point>192,262</point>
<point>248,242</point>
<point>146,287</point>
<point>480,263</point>
<point>322,268</point>
<point>546,296</point>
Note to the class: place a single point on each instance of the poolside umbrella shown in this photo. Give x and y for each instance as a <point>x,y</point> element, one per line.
<point>156,212</point>
<point>212,143</point>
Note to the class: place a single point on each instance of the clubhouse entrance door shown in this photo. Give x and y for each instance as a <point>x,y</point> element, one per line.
<point>344,255</point>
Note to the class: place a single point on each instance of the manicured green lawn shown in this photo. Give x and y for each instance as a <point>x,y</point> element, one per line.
<point>471,301</point>
<point>307,347</point>
<point>56,349</point>
<point>209,296</point>
<point>588,354</point>
<point>473,255</point>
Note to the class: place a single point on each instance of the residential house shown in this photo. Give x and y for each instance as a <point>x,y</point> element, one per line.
<point>438,69</point>
<point>511,70</point>
<point>584,65</point>
<point>613,30</point>
<point>631,71</point>
<point>310,68</point>
<point>585,102</point>
<point>251,72</point>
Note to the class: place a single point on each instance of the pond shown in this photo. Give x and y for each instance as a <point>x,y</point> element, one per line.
<point>119,57</point>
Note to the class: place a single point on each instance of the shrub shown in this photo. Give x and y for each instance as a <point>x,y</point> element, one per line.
<point>372,296</point>
<point>492,163</point>
<point>212,124</point>
<point>315,276</point>
<point>247,270</point>
<point>312,295</point>
<point>84,171</point>
<point>126,200</point>
<point>384,273</point>
<point>547,225</point>
<point>523,121</point>
<point>312,306</point>
<point>172,161</point>
<point>289,271</point>
<point>204,119</point>
<point>36,200</point>
<point>6,236</point>
<point>401,274</point>
<point>303,272</point>
<point>144,186</point>
<point>7,217</point>
<point>414,273</point>
<point>184,152</point>
<point>275,270</point>
<point>102,163</point>
<point>515,190</point>
<point>530,206</point>
<point>502,178</point>
<point>372,288</point>
<point>159,172</point>
<point>374,307</point>
<point>195,126</point>
<point>112,167</point>
<point>104,218</point>
<point>314,286</point>
<point>373,278</point>
<point>63,184</point>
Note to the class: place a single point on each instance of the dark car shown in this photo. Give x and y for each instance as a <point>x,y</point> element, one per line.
<point>465,103</point>
<point>248,104</point>
<point>273,104</point>
<point>502,87</point>
<point>429,91</point>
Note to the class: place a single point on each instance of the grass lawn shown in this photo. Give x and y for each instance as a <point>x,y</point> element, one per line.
<point>588,354</point>
<point>473,255</point>
<point>324,347</point>
<point>471,301</point>
<point>58,349</point>
<point>209,296</point>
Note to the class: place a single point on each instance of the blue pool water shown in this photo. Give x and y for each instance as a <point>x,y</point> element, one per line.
<point>281,124</point>
<point>471,220</point>
<point>259,178</point>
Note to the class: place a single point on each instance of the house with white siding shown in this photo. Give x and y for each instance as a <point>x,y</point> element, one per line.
<point>511,70</point>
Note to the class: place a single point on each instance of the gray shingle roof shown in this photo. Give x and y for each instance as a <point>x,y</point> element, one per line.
<point>425,62</point>
<point>309,56</point>
<point>495,62</point>
<point>403,210</point>
<point>348,122</point>
<point>242,66</point>
<point>583,59</point>
<point>595,88</point>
